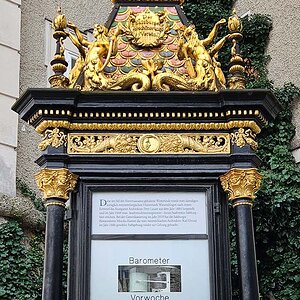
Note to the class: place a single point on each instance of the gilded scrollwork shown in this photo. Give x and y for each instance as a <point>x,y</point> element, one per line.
<point>242,137</point>
<point>56,183</point>
<point>148,143</point>
<point>101,143</point>
<point>52,137</point>
<point>138,82</point>
<point>241,183</point>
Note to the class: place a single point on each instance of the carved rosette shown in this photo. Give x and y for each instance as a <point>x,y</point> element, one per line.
<point>56,183</point>
<point>241,183</point>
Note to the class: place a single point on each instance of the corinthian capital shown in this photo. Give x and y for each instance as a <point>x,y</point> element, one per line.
<point>241,183</point>
<point>56,183</point>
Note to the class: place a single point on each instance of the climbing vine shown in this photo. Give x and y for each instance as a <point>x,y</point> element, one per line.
<point>276,211</point>
<point>21,266</point>
<point>22,256</point>
<point>26,191</point>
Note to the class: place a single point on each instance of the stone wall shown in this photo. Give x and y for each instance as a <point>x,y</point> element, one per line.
<point>10,18</point>
<point>283,48</point>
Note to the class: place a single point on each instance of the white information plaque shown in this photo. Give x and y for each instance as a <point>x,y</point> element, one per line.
<point>149,270</point>
<point>149,213</point>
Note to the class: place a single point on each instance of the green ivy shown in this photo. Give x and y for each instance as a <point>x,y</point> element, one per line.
<point>21,267</point>
<point>276,211</point>
<point>26,191</point>
<point>21,264</point>
<point>256,36</point>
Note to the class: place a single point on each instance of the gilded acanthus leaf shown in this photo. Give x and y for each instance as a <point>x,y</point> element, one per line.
<point>241,183</point>
<point>56,183</point>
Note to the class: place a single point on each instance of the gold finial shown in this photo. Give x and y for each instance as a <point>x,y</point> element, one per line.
<point>60,21</point>
<point>236,79</point>
<point>234,22</point>
<point>58,63</point>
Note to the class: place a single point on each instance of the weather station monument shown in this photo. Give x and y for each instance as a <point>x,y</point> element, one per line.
<point>149,141</point>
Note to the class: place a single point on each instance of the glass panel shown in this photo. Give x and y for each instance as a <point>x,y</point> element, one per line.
<point>150,270</point>
<point>149,213</point>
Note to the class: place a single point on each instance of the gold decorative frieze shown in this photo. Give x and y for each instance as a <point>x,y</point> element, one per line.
<point>55,203</point>
<point>243,137</point>
<point>152,114</point>
<point>148,126</point>
<point>217,143</point>
<point>56,183</point>
<point>52,137</point>
<point>241,183</point>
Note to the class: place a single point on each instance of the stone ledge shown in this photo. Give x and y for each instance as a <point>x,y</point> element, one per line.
<point>23,210</point>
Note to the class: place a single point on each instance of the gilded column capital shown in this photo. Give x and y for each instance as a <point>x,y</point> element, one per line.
<point>241,183</point>
<point>56,183</point>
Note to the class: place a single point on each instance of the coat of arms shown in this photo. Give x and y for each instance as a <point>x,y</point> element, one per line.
<point>147,29</point>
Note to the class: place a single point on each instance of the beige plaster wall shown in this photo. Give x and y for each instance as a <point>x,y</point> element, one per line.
<point>10,18</point>
<point>85,14</point>
<point>284,48</point>
<point>284,38</point>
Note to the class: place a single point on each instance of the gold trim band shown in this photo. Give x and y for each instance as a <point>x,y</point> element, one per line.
<point>147,126</point>
<point>242,203</point>
<point>57,113</point>
<point>55,203</point>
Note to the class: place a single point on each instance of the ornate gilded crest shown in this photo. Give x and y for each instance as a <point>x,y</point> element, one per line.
<point>147,29</point>
<point>147,48</point>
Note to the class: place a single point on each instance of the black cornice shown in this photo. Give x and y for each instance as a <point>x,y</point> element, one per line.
<point>35,99</point>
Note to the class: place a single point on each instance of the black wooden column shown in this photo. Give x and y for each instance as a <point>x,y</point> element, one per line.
<point>241,184</point>
<point>56,185</point>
